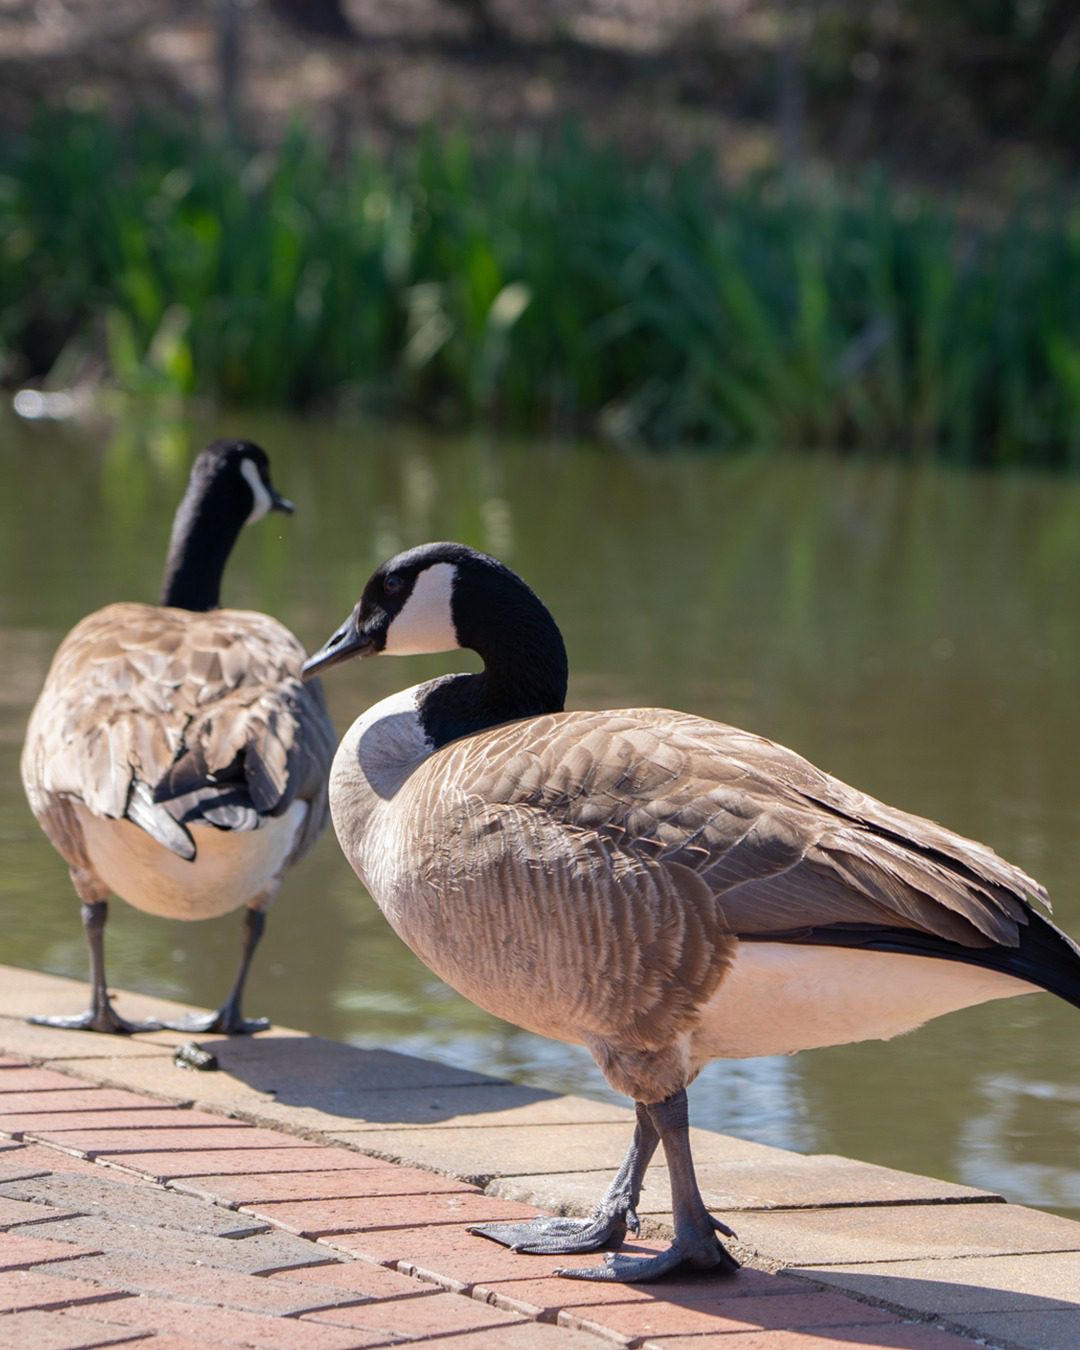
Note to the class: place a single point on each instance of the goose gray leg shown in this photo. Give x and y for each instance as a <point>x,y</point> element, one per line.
<point>101,1015</point>
<point>696,1246</point>
<point>229,1020</point>
<point>614,1216</point>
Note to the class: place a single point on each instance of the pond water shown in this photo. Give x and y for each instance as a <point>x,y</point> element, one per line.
<point>914,630</point>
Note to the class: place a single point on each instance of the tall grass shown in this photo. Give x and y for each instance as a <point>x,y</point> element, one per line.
<point>545,284</point>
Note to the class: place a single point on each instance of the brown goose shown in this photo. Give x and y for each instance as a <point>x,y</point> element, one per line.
<point>174,757</point>
<point>660,888</point>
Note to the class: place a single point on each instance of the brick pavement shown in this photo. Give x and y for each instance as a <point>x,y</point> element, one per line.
<point>313,1193</point>
<point>118,1227</point>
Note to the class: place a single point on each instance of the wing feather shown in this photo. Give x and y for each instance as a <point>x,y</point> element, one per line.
<point>779,844</point>
<point>192,705</point>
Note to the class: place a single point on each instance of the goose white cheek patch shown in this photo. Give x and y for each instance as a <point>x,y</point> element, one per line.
<point>263,500</point>
<point>426,621</point>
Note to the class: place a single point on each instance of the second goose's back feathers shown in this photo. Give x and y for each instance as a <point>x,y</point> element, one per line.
<point>204,709</point>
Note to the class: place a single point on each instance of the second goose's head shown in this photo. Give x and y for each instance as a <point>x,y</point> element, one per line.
<point>229,488</point>
<point>231,480</point>
<point>438,597</point>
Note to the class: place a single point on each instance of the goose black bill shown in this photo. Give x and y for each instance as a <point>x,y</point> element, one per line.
<point>345,642</point>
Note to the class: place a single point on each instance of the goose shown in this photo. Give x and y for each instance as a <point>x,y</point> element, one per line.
<point>660,888</point>
<point>174,756</point>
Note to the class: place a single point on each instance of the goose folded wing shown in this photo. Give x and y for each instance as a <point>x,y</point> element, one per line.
<point>262,743</point>
<point>781,847</point>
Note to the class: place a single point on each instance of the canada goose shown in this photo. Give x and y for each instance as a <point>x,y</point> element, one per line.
<point>658,887</point>
<point>174,757</point>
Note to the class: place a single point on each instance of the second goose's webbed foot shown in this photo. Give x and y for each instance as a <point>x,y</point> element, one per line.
<point>610,1221</point>
<point>101,1016</point>
<point>97,1018</point>
<point>229,1020</point>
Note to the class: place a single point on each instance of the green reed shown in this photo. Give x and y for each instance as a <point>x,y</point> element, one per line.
<point>546,284</point>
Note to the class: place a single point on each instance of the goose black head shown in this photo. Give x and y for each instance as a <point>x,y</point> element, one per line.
<point>442,596</point>
<point>229,488</point>
<point>234,476</point>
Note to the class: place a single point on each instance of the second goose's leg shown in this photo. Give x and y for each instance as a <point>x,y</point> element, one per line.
<point>101,1015</point>
<point>229,1020</point>
<point>696,1246</point>
<point>614,1216</point>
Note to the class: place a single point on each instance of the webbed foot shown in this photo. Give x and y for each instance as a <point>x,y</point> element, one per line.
<point>227,1021</point>
<point>554,1237</point>
<point>704,1254</point>
<point>106,1020</point>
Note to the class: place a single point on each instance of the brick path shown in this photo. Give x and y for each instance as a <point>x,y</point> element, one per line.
<point>311,1193</point>
<point>128,1221</point>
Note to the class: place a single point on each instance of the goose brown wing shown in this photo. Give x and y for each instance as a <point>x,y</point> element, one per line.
<point>196,706</point>
<point>779,845</point>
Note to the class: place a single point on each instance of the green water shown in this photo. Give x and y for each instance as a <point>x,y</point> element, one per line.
<point>915,631</point>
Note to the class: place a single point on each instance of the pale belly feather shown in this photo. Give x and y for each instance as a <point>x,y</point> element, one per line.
<point>230,867</point>
<point>781,997</point>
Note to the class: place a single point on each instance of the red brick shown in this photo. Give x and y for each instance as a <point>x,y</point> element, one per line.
<point>153,1342</point>
<point>523,1335</point>
<point>448,1253</point>
<point>14,1212</point>
<point>221,1288</point>
<point>425,1312</point>
<point>216,1326</point>
<point>284,1183</point>
<point>359,1278</point>
<point>326,1218</point>
<point>31,1289</point>
<point>384,1180</point>
<point>254,1255</point>
<point>60,1330</point>
<point>174,1133</point>
<point>902,1336</point>
<point>668,1315</point>
<point>85,1097</point>
<point>125,1201</point>
<point>46,1159</point>
<point>55,1126</point>
<point>17,1251</point>
<point>549,1295</point>
<point>250,1158</point>
<point>35,1080</point>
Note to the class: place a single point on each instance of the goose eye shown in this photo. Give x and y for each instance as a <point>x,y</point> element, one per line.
<point>393,583</point>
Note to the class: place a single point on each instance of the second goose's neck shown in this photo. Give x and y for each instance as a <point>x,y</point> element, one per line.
<point>203,535</point>
<point>524,675</point>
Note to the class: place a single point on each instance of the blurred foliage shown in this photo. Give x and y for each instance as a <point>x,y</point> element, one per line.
<point>995,68</point>
<point>542,283</point>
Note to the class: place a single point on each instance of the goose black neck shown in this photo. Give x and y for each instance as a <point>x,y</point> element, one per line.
<point>203,534</point>
<point>525,666</point>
